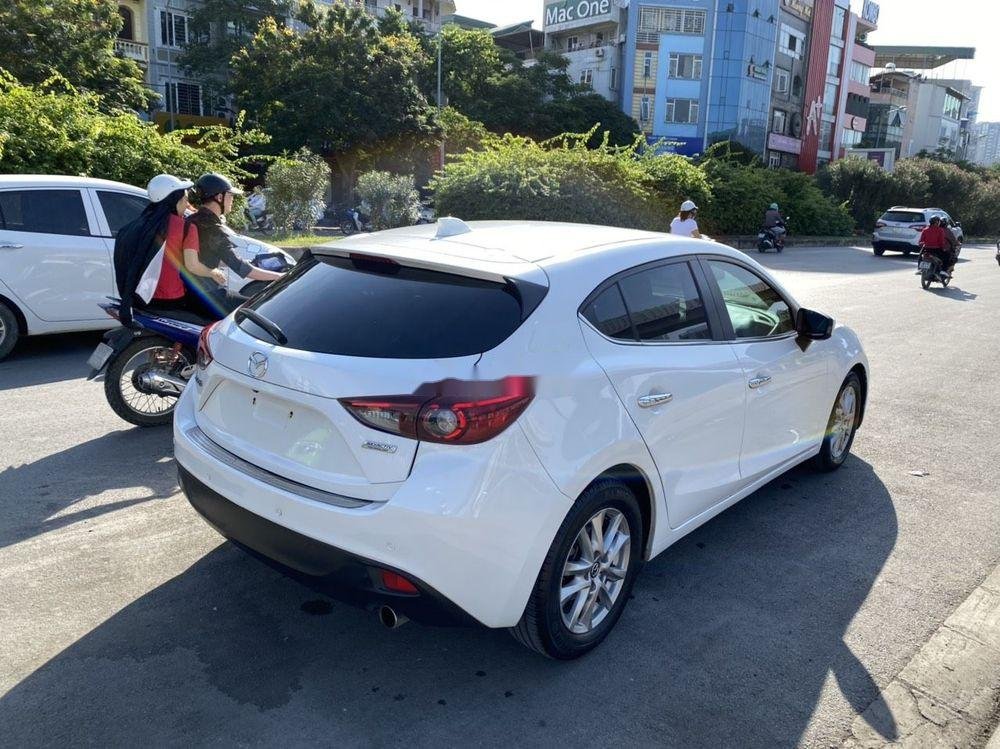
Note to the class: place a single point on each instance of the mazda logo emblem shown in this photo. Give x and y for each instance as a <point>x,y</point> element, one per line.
<point>257,365</point>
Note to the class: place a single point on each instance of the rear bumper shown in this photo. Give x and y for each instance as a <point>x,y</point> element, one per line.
<point>470,527</point>
<point>894,244</point>
<point>324,568</point>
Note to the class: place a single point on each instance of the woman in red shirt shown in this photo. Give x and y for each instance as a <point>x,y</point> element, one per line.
<point>148,254</point>
<point>934,241</point>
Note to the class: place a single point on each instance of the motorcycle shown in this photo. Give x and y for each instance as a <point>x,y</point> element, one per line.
<point>767,239</point>
<point>931,269</point>
<point>352,221</point>
<point>262,223</point>
<point>149,363</point>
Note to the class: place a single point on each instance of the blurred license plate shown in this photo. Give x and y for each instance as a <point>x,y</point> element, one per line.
<point>925,266</point>
<point>100,356</point>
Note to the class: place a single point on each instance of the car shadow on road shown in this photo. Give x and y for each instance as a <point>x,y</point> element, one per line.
<point>39,497</point>
<point>45,359</point>
<point>729,640</point>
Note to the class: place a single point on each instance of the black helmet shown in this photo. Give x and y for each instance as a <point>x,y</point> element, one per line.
<point>213,184</point>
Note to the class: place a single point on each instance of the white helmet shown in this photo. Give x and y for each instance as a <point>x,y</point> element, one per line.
<point>688,205</point>
<point>163,184</point>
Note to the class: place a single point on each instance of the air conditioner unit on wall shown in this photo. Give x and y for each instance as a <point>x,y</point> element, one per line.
<point>599,52</point>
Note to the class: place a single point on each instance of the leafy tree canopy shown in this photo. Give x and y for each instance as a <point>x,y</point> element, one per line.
<point>74,39</point>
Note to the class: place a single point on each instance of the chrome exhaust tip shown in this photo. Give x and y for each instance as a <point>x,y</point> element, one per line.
<point>390,619</point>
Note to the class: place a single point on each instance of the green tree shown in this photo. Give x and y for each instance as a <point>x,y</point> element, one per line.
<point>220,29</point>
<point>341,86</point>
<point>295,189</point>
<point>393,199</point>
<point>58,130</point>
<point>74,39</point>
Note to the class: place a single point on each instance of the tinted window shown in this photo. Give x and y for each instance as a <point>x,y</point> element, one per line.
<point>120,208</point>
<point>45,211</point>
<point>904,217</point>
<point>755,308</point>
<point>384,310</point>
<point>607,313</point>
<point>665,305</point>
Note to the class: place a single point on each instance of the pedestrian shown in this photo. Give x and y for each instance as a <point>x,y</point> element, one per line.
<point>684,223</point>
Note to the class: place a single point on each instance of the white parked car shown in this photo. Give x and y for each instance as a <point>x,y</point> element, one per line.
<point>57,238</point>
<point>499,422</point>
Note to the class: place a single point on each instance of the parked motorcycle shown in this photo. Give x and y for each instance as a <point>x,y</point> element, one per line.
<point>767,239</point>
<point>151,361</point>
<point>352,221</point>
<point>931,269</point>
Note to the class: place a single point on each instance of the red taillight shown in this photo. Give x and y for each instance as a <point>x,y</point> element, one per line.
<point>204,350</point>
<point>397,583</point>
<point>459,413</point>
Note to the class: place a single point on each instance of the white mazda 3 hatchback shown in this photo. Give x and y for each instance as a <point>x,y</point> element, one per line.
<point>499,422</point>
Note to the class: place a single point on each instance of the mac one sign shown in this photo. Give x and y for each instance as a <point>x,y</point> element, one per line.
<point>565,14</point>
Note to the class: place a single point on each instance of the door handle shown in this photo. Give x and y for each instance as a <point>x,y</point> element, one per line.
<point>655,399</point>
<point>11,246</point>
<point>759,381</point>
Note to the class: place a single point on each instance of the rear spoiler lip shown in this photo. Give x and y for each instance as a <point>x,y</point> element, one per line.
<point>522,269</point>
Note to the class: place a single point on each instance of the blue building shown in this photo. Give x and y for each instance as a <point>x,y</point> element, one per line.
<point>692,72</point>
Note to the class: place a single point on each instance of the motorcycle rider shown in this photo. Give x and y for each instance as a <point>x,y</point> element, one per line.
<point>774,222</point>
<point>147,255</point>
<point>952,246</point>
<point>207,243</point>
<point>684,223</point>
<point>934,241</point>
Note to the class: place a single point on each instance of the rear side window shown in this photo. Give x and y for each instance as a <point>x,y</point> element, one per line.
<point>607,313</point>
<point>120,208</point>
<point>44,212</point>
<point>383,310</point>
<point>665,305</point>
<point>904,217</point>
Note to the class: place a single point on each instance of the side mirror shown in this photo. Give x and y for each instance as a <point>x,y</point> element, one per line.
<point>813,325</point>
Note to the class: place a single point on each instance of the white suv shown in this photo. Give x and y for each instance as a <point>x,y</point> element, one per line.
<point>57,239</point>
<point>899,228</point>
<point>498,422</point>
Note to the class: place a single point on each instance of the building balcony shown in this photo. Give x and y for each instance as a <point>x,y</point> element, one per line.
<point>132,50</point>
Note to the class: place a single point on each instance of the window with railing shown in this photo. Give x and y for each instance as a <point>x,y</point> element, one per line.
<point>656,21</point>
<point>778,121</point>
<point>644,109</point>
<point>184,98</point>
<point>647,65</point>
<point>781,80</point>
<point>952,106</point>
<point>173,29</point>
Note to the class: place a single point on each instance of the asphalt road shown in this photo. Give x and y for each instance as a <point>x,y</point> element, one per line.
<point>124,620</point>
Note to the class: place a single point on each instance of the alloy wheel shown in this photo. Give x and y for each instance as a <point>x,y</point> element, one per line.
<point>594,572</point>
<point>844,418</point>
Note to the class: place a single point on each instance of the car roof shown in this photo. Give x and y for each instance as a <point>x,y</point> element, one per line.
<point>64,180</point>
<point>510,248</point>
<point>915,210</point>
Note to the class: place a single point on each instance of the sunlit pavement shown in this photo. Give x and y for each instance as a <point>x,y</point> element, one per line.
<point>124,619</point>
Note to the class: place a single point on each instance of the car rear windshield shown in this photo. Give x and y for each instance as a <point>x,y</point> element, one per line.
<point>379,309</point>
<point>904,217</point>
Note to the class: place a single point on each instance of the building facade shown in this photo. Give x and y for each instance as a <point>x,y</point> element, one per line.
<point>791,63</point>
<point>985,147</point>
<point>912,113</point>
<point>591,35</point>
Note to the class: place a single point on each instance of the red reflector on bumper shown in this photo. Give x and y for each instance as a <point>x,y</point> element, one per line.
<point>397,583</point>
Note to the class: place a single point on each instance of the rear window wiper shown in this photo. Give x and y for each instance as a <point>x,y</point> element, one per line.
<point>268,326</point>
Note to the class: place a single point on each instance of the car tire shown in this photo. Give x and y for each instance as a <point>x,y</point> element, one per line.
<point>878,250</point>
<point>543,626</point>
<point>10,331</point>
<point>836,443</point>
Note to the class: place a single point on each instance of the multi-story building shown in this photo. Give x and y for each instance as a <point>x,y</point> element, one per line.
<point>590,35</point>
<point>855,74</point>
<point>985,145</point>
<point>791,62</point>
<point>431,13</point>
<point>912,113</point>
